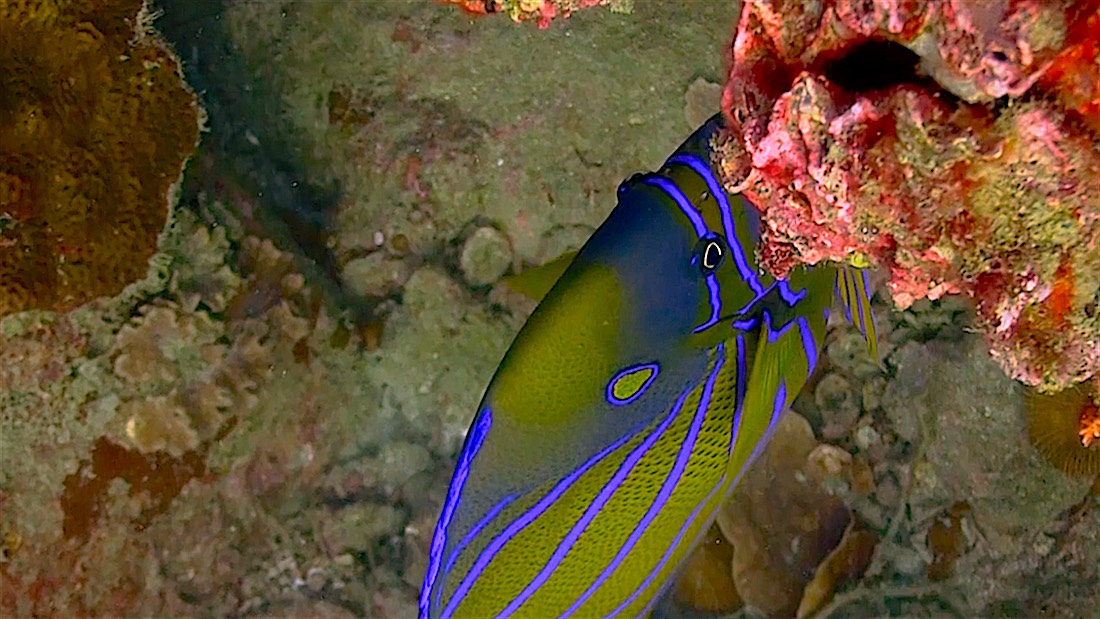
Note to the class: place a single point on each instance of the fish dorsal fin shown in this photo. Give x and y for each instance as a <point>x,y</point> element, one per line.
<point>535,282</point>
<point>855,298</point>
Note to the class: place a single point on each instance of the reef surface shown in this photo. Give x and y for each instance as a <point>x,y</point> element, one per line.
<point>268,428</point>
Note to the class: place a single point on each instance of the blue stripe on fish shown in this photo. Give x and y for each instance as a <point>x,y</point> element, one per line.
<point>681,200</point>
<point>691,519</point>
<point>859,306</point>
<point>519,524</point>
<point>702,231</point>
<point>842,276</point>
<point>778,406</point>
<point>492,513</point>
<point>594,508</point>
<point>739,390</point>
<point>774,334</point>
<point>746,324</point>
<point>715,188</point>
<point>667,487</point>
<point>866,293</point>
<point>462,471</point>
<point>789,296</point>
<point>715,304</point>
<point>808,345</point>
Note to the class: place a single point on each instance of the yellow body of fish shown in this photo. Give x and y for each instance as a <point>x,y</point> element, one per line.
<point>648,378</point>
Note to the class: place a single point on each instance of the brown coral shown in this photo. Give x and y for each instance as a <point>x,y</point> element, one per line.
<point>96,124</point>
<point>783,523</point>
<point>170,361</point>
<point>186,376</point>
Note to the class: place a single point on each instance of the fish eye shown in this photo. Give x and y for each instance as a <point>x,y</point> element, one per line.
<point>709,254</point>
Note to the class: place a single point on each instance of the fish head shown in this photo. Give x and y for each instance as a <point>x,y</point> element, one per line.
<point>675,265</point>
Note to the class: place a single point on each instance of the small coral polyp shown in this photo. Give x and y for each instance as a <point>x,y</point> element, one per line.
<point>963,157</point>
<point>96,124</point>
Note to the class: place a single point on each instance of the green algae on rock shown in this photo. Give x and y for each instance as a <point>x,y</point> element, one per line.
<point>426,129</point>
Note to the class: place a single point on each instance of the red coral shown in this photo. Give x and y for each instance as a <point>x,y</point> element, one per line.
<point>868,129</point>
<point>541,12</point>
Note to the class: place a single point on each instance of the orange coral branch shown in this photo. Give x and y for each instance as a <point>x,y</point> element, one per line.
<point>1089,423</point>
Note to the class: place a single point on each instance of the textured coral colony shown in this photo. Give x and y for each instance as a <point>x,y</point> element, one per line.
<point>960,155</point>
<point>205,414</point>
<point>97,124</point>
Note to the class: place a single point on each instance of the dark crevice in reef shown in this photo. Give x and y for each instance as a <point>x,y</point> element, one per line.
<point>242,160</point>
<point>873,65</point>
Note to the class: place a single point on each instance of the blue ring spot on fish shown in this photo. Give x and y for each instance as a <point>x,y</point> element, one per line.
<point>629,384</point>
<point>454,494</point>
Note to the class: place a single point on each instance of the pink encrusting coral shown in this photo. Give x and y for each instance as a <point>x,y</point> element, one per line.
<point>956,144</point>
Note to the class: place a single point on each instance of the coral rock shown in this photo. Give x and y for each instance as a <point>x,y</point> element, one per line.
<point>96,124</point>
<point>159,423</point>
<point>485,256</point>
<point>706,583</point>
<point>781,520</point>
<point>853,154</point>
<point>974,429</point>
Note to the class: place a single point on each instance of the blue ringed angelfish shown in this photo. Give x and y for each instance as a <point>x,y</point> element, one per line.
<point>653,371</point>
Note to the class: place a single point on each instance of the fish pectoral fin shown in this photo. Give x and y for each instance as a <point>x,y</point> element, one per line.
<point>786,353</point>
<point>535,282</point>
<point>855,297</point>
<point>759,407</point>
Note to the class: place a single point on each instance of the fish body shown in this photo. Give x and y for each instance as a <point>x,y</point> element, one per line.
<point>626,409</point>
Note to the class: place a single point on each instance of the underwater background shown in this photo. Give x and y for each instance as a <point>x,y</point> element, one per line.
<point>241,392</point>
